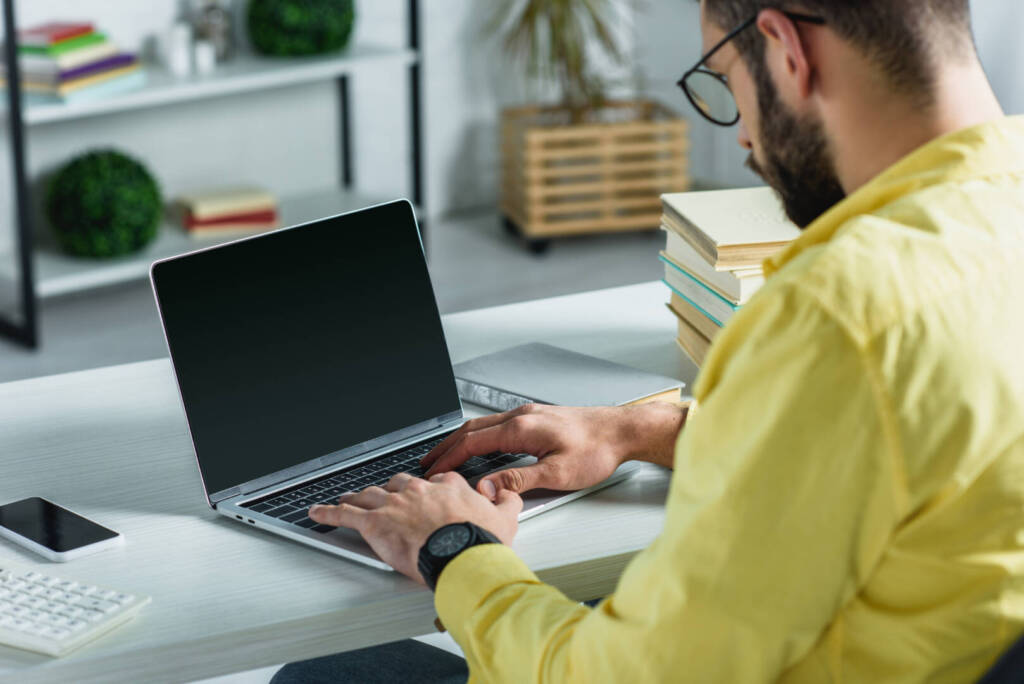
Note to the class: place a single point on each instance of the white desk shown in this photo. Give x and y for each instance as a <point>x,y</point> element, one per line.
<point>111,443</point>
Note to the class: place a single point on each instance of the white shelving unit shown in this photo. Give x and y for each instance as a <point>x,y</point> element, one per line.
<point>53,273</point>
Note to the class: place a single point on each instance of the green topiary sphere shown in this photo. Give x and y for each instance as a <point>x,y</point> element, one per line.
<point>291,28</point>
<point>103,204</point>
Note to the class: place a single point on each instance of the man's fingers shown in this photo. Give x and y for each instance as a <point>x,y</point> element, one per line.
<point>509,501</point>
<point>342,515</point>
<point>517,480</point>
<point>369,498</point>
<point>475,424</point>
<point>399,482</point>
<point>508,436</point>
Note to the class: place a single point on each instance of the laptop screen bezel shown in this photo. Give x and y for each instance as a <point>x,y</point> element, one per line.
<point>352,452</point>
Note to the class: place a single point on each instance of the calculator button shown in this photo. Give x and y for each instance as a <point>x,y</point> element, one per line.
<point>100,605</point>
<point>123,598</point>
<point>56,633</point>
<point>17,585</point>
<point>20,624</point>
<point>35,628</point>
<point>92,616</point>
<point>49,580</point>
<point>32,576</point>
<point>106,594</point>
<point>36,589</point>
<point>77,625</point>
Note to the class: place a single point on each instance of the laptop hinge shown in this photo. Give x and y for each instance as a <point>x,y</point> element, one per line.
<point>354,454</point>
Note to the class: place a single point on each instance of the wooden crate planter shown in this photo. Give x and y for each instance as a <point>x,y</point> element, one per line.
<point>603,174</point>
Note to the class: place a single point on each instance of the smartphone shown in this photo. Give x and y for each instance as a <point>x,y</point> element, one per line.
<point>53,531</point>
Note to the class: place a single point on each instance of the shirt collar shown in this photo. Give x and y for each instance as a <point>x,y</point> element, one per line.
<point>984,150</point>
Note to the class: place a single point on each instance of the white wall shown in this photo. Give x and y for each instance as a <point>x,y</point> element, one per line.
<point>998,26</point>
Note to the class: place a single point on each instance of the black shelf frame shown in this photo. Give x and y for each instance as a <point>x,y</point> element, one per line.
<point>23,327</point>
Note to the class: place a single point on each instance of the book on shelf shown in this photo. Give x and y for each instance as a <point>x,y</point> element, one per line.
<point>710,303</point>
<point>132,80</point>
<point>48,67</point>
<point>218,203</point>
<point>69,62</point>
<point>263,216</point>
<point>691,341</point>
<point>730,229</point>
<point>66,87</point>
<point>694,316</point>
<point>64,46</point>
<point>52,33</point>
<point>226,230</point>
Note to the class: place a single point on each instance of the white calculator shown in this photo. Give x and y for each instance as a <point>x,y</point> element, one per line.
<point>53,615</point>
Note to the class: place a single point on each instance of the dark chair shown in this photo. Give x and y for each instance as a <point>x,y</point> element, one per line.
<point>1009,669</point>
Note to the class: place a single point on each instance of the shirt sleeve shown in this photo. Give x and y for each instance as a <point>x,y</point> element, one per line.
<point>785,492</point>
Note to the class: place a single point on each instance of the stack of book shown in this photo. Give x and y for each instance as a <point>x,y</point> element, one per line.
<point>226,212</point>
<point>71,62</point>
<point>716,244</point>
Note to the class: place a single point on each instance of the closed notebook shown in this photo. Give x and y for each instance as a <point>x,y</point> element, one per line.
<point>544,374</point>
<point>730,229</point>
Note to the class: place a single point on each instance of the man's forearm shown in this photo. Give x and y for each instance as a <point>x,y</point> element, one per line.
<point>652,431</point>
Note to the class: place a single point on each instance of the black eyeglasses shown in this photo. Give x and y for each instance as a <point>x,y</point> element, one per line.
<point>708,91</point>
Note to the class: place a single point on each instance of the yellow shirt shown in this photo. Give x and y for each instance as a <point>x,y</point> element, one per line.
<point>848,503</point>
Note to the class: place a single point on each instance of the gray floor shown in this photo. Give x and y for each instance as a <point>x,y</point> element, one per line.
<point>473,263</point>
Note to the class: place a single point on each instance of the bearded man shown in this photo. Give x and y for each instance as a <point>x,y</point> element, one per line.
<point>847,501</point>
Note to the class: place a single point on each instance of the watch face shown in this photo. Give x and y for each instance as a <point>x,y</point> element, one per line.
<point>449,542</point>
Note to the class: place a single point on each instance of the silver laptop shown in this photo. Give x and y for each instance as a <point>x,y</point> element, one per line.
<point>311,362</point>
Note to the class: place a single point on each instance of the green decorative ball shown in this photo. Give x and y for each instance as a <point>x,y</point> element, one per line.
<point>292,28</point>
<point>103,204</point>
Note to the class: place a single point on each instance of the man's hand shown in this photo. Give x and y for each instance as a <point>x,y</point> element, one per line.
<point>397,519</point>
<point>575,447</point>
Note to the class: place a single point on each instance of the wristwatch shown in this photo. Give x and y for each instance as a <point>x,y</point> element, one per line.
<point>445,544</point>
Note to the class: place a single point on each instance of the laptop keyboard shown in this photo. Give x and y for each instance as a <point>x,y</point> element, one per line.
<point>292,506</point>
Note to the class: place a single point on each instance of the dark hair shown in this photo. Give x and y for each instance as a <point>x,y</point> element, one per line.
<point>905,38</point>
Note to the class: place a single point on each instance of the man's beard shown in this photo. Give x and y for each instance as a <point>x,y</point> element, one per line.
<point>798,164</point>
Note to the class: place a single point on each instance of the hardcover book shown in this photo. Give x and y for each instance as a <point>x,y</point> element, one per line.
<point>730,229</point>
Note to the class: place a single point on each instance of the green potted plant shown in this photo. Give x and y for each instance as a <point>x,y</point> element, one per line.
<point>294,28</point>
<point>585,164</point>
<point>103,204</point>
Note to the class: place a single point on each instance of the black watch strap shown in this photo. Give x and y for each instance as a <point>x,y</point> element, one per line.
<point>445,544</point>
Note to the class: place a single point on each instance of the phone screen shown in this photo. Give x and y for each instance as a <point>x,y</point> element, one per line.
<point>48,524</point>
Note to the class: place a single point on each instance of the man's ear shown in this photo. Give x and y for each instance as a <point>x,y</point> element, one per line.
<point>786,54</point>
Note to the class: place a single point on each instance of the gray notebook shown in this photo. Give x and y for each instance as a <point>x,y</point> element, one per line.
<point>543,374</point>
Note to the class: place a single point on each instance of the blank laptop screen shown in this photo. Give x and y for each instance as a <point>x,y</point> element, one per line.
<point>299,343</point>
